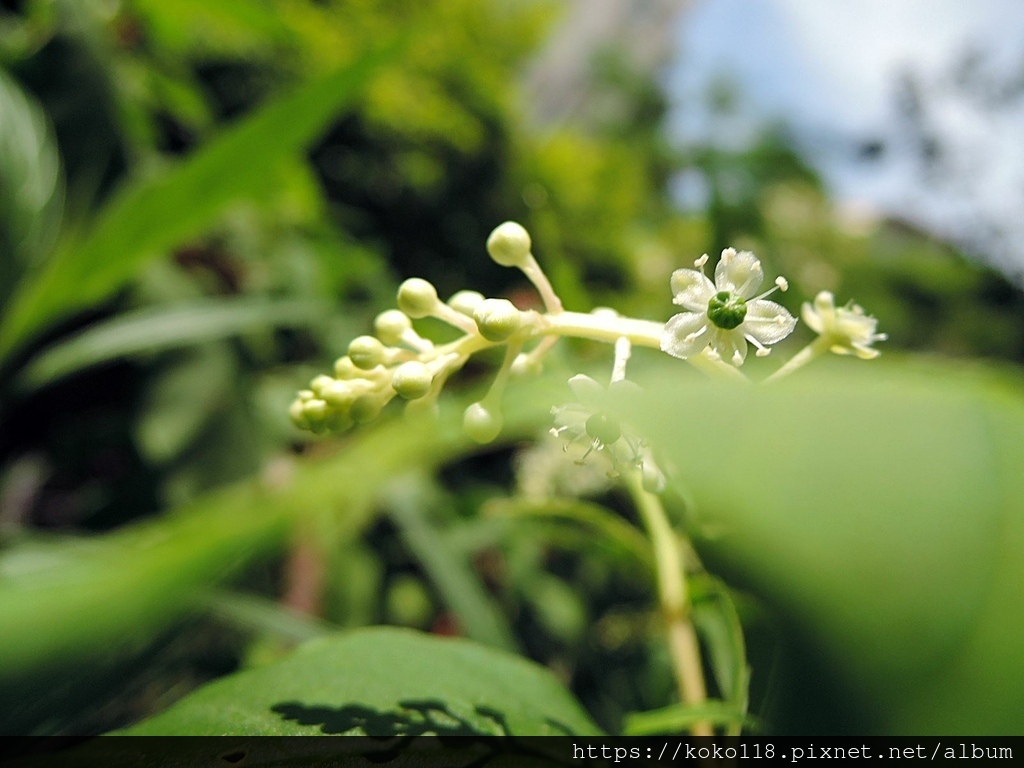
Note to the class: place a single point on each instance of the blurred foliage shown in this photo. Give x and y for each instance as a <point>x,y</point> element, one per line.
<point>202,202</point>
<point>886,532</point>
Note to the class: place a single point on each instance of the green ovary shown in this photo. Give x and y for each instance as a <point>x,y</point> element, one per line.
<point>726,310</point>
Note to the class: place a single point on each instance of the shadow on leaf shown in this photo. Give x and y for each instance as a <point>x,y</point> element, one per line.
<point>411,718</point>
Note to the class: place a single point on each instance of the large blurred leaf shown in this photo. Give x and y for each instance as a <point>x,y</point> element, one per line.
<point>30,184</point>
<point>224,25</point>
<point>156,329</point>
<point>157,212</point>
<point>70,607</point>
<point>381,682</point>
<point>881,507</point>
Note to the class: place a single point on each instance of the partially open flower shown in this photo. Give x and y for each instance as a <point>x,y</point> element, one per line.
<point>725,315</point>
<point>590,421</point>
<point>848,330</point>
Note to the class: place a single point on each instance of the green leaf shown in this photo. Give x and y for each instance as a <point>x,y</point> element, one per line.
<point>381,682</point>
<point>157,329</point>
<point>448,569</point>
<point>253,612</point>
<point>221,26</point>
<point>717,622</point>
<point>560,608</point>
<point>602,527</point>
<point>681,717</point>
<point>73,608</point>
<point>31,186</point>
<point>880,508</point>
<point>154,213</point>
<point>181,402</point>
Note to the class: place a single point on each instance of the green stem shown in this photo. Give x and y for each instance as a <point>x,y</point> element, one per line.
<point>596,327</point>
<point>643,333</point>
<point>493,397</point>
<point>817,347</point>
<point>540,281</point>
<point>674,598</point>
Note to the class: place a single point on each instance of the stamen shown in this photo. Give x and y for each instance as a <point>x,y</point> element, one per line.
<point>781,284</point>
<point>590,449</point>
<point>699,263</point>
<point>762,350</point>
<point>695,334</point>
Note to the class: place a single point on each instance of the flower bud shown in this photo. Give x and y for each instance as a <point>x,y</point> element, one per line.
<point>339,421</point>
<point>339,395</point>
<point>315,412</point>
<point>297,415</point>
<point>525,364</point>
<point>412,380</point>
<point>366,352</point>
<point>318,383</point>
<point>344,369</point>
<point>417,297</point>
<point>497,319</point>
<point>391,326</point>
<point>481,424</point>
<point>465,302</point>
<point>366,408</point>
<point>509,244</point>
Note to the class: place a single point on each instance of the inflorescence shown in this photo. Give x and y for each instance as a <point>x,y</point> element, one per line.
<point>720,319</point>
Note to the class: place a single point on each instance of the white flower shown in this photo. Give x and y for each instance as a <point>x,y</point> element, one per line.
<point>848,329</point>
<point>588,422</point>
<point>725,315</point>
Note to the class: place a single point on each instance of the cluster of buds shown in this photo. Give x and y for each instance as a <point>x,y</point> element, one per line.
<point>721,317</point>
<point>398,361</point>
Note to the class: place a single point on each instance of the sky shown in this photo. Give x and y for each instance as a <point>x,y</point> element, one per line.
<point>831,70</point>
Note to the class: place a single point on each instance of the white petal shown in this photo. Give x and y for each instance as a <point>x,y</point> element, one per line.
<point>730,345</point>
<point>767,321</point>
<point>812,318</point>
<point>864,352</point>
<point>856,327</point>
<point>586,390</point>
<point>739,273</point>
<point>692,289</point>
<point>685,335</point>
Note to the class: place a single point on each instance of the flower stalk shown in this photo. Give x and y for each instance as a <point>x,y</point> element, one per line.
<point>673,598</point>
